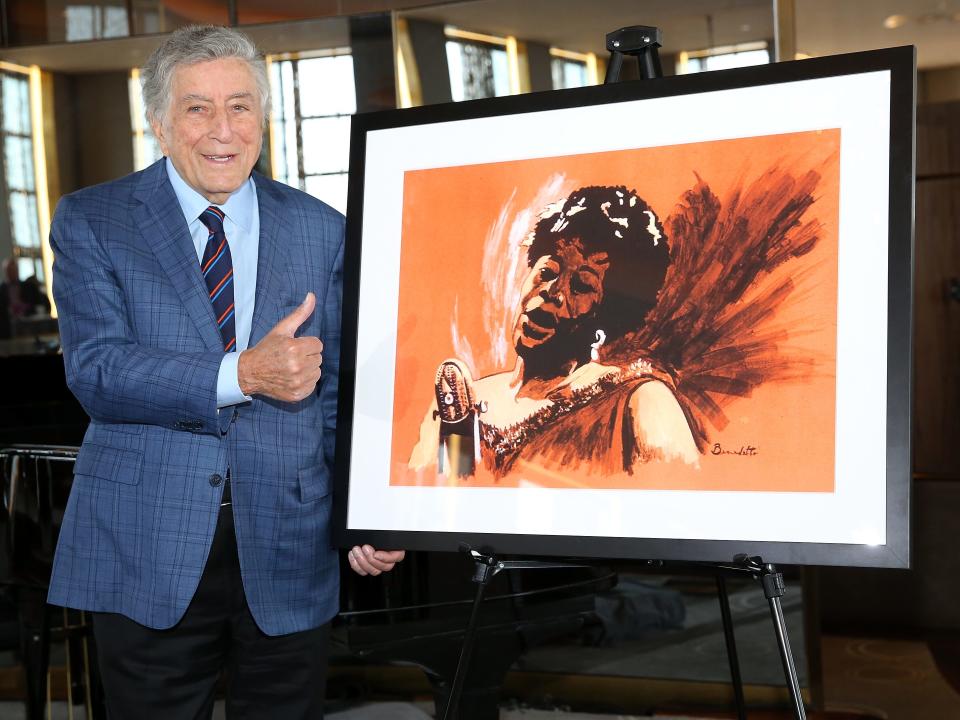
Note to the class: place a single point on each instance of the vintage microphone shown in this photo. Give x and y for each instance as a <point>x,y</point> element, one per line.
<point>459,447</point>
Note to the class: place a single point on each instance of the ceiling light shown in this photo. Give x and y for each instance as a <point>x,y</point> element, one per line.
<point>895,21</point>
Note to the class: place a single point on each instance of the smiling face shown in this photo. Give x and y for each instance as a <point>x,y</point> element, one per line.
<point>213,127</point>
<point>559,295</point>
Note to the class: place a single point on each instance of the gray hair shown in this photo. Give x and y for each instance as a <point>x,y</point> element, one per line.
<point>195,44</point>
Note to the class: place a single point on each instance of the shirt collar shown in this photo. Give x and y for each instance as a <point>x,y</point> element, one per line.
<point>238,207</point>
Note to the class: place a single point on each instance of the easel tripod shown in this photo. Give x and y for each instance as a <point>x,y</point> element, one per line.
<point>642,42</point>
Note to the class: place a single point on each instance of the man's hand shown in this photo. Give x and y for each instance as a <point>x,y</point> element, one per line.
<point>368,561</point>
<point>281,366</point>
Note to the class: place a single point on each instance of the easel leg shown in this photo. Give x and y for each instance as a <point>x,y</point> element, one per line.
<point>484,572</point>
<point>485,568</point>
<point>731,643</point>
<point>773,589</point>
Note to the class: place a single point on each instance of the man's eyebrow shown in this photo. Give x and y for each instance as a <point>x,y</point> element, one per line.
<point>191,97</point>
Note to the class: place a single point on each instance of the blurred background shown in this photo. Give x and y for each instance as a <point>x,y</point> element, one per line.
<point>879,643</point>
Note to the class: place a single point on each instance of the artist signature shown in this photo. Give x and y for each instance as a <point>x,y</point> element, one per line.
<point>744,450</point>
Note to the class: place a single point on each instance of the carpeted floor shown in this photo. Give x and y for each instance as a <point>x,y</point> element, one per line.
<point>892,679</point>
<point>945,649</point>
<point>864,678</point>
<point>410,711</point>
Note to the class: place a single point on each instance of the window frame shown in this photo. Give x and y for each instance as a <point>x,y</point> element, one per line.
<point>274,136</point>
<point>38,252</point>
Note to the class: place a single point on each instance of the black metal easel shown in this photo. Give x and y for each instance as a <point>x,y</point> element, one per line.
<point>642,42</point>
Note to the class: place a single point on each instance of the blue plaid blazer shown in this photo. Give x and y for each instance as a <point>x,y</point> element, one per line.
<point>142,351</point>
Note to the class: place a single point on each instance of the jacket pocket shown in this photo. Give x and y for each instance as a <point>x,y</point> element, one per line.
<point>111,455</point>
<point>314,482</point>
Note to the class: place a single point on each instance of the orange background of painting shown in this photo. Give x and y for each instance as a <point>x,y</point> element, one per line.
<point>447,215</point>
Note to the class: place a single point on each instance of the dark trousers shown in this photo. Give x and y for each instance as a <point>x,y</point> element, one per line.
<point>172,674</point>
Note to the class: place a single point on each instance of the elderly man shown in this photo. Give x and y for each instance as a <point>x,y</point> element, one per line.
<point>200,317</point>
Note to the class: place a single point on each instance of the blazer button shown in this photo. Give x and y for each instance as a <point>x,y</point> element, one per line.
<point>215,479</point>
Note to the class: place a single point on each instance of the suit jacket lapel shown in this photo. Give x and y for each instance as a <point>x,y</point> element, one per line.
<point>275,235</point>
<point>162,224</point>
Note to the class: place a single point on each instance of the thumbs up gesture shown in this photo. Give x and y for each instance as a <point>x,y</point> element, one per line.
<point>282,366</point>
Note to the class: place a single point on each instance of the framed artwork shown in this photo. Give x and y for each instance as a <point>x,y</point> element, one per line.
<point>659,319</point>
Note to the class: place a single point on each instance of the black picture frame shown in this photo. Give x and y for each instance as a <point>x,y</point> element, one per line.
<point>895,551</point>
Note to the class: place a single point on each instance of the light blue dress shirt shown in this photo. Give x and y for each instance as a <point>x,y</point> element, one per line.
<point>242,228</point>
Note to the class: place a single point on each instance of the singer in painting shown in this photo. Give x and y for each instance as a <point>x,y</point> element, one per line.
<point>597,263</point>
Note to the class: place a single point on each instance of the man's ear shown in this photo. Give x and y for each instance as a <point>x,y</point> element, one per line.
<point>159,134</point>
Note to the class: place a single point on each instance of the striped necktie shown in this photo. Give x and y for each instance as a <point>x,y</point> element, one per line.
<point>217,267</point>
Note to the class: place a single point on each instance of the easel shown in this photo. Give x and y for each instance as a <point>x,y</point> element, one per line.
<point>641,42</point>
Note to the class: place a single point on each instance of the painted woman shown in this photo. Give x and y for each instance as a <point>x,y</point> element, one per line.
<point>597,265</point>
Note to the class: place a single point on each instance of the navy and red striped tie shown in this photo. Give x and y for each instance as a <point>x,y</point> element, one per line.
<point>217,267</point>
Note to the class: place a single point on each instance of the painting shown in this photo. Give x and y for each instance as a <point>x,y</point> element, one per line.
<point>662,319</point>
<point>608,314</point>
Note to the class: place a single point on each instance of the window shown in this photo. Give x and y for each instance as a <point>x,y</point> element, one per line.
<point>29,22</point>
<point>313,98</point>
<point>572,69</point>
<point>479,65</point>
<point>94,22</point>
<point>146,149</point>
<point>722,58</point>
<point>483,66</point>
<point>20,179</point>
<point>163,16</point>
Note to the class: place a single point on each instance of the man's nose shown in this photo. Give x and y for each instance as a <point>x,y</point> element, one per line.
<point>221,128</point>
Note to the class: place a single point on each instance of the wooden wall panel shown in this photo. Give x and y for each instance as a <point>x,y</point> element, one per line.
<point>936,431</point>
<point>938,139</point>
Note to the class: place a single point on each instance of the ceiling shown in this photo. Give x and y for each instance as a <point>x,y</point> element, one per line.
<point>830,26</point>
<point>823,27</point>
<point>126,53</point>
<point>582,26</point>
